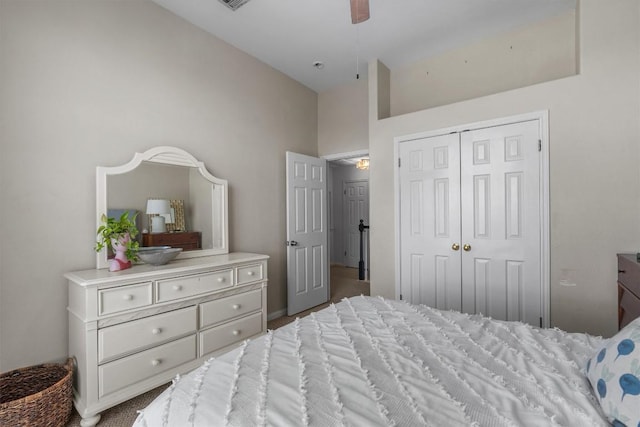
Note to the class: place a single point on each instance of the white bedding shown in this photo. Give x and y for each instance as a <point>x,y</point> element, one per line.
<point>374,362</point>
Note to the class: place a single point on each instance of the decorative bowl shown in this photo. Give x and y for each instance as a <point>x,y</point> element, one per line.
<point>158,255</point>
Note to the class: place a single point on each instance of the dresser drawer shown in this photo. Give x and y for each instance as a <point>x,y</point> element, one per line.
<point>629,273</point>
<point>183,287</point>
<point>128,337</point>
<point>221,336</point>
<point>124,298</point>
<point>250,273</point>
<point>121,373</point>
<point>227,308</point>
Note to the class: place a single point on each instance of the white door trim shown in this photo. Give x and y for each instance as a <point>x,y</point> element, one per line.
<point>349,155</point>
<point>344,156</point>
<point>543,120</point>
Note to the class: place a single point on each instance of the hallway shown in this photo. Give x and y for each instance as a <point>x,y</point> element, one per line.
<point>344,283</point>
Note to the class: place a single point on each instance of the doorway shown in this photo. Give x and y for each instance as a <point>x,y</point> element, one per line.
<point>315,210</point>
<point>348,203</point>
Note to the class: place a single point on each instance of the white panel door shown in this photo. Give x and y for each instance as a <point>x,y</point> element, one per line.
<point>356,205</point>
<point>501,222</point>
<point>470,221</point>
<point>307,233</point>
<point>430,221</point>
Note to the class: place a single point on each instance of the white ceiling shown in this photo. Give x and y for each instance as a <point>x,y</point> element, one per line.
<point>290,35</point>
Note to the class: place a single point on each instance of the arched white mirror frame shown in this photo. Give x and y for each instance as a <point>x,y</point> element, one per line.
<point>167,156</point>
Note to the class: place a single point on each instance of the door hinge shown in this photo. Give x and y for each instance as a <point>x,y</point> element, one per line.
<point>400,297</point>
<point>541,322</point>
<point>345,253</point>
<point>539,145</point>
<point>344,192</point>
<point>398,161</point>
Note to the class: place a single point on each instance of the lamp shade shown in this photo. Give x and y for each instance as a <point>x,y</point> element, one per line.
<point>158,206</point>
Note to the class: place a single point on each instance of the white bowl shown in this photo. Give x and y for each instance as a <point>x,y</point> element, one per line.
<point>158,255</point>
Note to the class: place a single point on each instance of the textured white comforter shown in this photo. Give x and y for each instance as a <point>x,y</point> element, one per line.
<point>373,362</point>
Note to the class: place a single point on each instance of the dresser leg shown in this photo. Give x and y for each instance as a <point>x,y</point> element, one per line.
<point>90,421</point>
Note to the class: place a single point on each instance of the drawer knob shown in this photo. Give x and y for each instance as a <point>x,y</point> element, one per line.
<point>236,306</point>
<point>156,362</point>
<point>236,332</point>
<point>156,331</point>
<point>127,297</point>
<point>220,279</point>
<point>250,273</point>
<point>177,287</point>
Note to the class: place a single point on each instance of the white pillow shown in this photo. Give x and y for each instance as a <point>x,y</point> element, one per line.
<point>614,373</point>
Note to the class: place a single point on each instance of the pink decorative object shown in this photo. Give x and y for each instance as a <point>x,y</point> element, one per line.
<point>120,261</point>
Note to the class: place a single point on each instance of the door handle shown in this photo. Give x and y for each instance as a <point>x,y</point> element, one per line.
<point>292,243</point>
<point>455,246</point>
<point>467,247</point>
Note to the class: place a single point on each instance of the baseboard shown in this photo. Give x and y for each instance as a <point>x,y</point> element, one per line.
<point>276,314</point>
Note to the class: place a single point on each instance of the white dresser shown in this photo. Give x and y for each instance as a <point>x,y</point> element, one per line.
<point>133,330</point>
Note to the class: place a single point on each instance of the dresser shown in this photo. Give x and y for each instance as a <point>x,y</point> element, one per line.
<point>628,289</point>
<point>187,240</point>
<point>133,330</point>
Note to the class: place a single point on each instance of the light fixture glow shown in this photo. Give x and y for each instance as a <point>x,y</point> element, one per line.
<point>363,164</point>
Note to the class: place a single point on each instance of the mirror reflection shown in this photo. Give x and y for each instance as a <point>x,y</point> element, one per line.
<point>179,204</point>
<point>178,184</point>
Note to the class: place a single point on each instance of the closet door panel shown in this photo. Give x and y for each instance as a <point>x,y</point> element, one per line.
<point>430,221</point>
<point>500,203</point>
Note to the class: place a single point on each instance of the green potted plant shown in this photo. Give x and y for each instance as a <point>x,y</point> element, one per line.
<point>119,235</point>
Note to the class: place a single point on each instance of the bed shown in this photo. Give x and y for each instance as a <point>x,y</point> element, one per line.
<point>370,361</point>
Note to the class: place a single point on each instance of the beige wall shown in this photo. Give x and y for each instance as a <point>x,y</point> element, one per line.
<point>532,54</point>
<point>90,83</point>
<point>594,157</point>
<point>343,122</point>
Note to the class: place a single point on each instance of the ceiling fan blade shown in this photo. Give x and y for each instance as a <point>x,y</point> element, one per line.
<point>359,11</point>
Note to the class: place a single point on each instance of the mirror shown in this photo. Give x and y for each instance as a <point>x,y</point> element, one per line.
<point>198,199</point>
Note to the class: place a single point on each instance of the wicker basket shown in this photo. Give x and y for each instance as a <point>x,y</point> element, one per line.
<point>39,395</point>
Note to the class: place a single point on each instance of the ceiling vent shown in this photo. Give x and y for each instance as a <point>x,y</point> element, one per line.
<point>233,4</point>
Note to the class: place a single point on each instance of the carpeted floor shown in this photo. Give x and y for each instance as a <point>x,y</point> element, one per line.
<point>124,414</point>
<point>344,283</point>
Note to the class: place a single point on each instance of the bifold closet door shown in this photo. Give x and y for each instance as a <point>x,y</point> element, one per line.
<point>470,222</point>
<point>501,237</point>
<point>430,221</point>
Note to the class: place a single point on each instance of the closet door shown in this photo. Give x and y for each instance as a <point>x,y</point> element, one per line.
<point>430,221</point>
<point>501,227</point>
